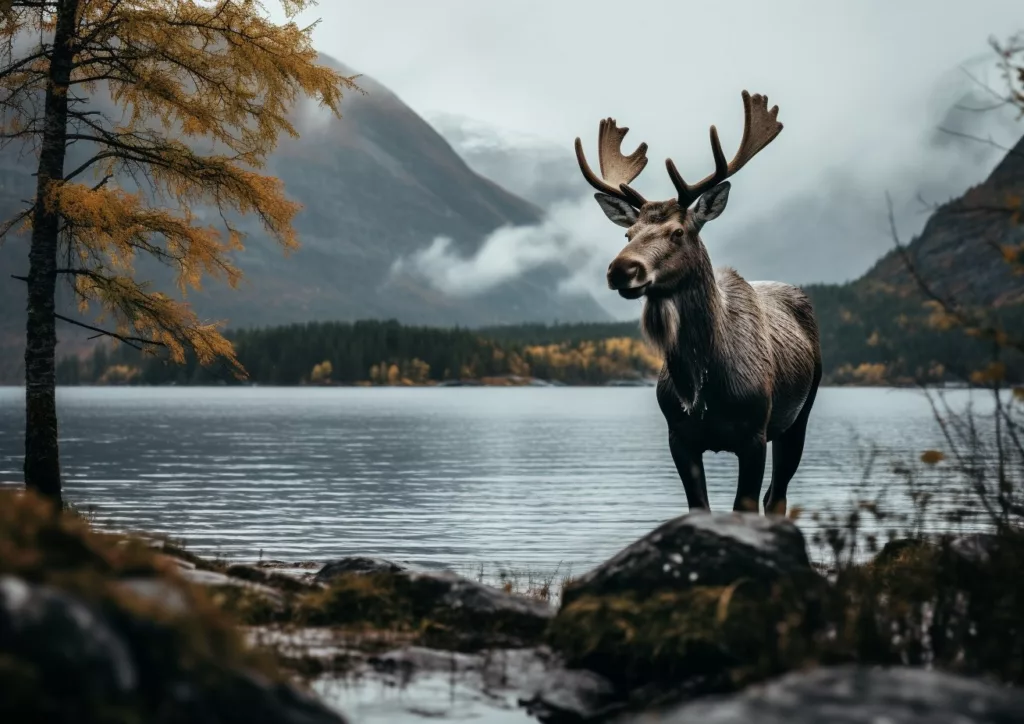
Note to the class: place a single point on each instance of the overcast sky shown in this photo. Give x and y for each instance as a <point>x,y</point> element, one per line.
<point>862,86</point>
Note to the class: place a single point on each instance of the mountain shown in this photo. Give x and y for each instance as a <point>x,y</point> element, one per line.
<point>961,252</point>
<point>376,185</point>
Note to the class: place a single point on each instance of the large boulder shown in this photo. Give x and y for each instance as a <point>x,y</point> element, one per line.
<point>701,605</point>
<point>700,549</point>
<point>854,695</point>
<point>66,659</point>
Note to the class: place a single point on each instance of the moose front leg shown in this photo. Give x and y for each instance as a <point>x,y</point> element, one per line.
<point>748,490</point>
<point>690,466</point>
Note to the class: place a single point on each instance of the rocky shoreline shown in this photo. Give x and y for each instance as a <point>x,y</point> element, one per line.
<point>709,618</point>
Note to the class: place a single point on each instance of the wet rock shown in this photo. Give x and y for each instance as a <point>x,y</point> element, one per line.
<point>700,549</point>
<point>65,638</point>
<point>66,659</point>
<point>478,614</point>
<point>854,695</point>
<point>355,564</point>
<point>975,548</point>
<point>571,695</point>
<point>448,611</point>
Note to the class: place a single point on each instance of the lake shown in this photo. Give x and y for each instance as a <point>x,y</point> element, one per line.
<point>538,479</point>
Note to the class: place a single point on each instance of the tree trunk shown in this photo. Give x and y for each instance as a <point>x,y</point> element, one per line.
<point>42,464</point>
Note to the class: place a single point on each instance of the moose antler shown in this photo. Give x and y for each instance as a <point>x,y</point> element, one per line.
<point>617,170</point>
<point>760,128</point>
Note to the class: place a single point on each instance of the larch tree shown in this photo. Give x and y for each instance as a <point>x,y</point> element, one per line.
<point>201,92</point>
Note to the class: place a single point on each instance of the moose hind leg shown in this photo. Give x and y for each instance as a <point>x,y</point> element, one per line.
<point>787,450</point>
<point>690,466</point>
<point>751,476</point>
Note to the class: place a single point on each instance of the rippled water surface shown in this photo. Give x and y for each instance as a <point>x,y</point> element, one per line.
<point>527,478</point>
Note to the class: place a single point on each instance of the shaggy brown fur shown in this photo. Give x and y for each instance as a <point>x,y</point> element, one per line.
<point>742,359</point>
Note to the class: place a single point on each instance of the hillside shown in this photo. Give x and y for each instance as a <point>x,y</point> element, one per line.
<point>960,251</point>
<point>377,184</point>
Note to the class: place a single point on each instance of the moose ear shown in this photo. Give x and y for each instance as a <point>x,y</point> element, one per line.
<point>711,204</point>
<point>617,210</point>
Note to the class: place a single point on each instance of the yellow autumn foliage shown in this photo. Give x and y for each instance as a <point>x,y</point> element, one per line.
<point>609,358</point>
<point>994,373</point>
<point>321,372</point>
<point>866,373</point>
<point>119,375</point>
<point>203,91</point>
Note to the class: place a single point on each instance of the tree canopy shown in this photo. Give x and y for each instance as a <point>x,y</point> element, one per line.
<point>152,120</point>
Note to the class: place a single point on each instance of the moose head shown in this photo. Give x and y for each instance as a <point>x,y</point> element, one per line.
<point>664,246</point>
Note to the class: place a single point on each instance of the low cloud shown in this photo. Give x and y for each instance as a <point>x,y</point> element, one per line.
<point>830,226</point>
<point>575,235</point>
<point>531,167</point>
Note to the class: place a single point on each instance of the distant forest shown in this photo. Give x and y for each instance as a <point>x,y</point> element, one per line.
<point>868,338</point>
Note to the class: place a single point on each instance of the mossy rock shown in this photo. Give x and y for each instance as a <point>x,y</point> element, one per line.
<point>701,549</point>
<point>930,603</point>
<point>707,638</point>
<point>445,609</point>
<point>355,564</point>
<point>101,628</point>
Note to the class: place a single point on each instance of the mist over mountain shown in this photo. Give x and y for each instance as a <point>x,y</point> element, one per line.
<point>377,184</point>
<point>830,227</point>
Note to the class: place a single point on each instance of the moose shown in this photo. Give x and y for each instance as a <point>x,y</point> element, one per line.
<point>742,360</point>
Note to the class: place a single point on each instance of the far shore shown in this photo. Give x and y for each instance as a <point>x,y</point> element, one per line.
<point>502,382</point>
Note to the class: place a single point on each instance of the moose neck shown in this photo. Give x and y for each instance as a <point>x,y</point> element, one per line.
<point>684,325</point>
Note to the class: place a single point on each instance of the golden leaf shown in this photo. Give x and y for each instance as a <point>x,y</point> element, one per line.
<point>203,93</point>
<point>995,372</point>
<point>932,457</point>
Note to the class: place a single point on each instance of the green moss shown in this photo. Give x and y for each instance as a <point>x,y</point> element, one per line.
<point>927,603</point>
<point>919,603</point>
<point>250,606</point>
<point>723,635</point>
<point>407,604</point>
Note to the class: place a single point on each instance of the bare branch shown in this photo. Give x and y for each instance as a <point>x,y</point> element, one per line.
<point>987,141</point>
<point>130,341</point>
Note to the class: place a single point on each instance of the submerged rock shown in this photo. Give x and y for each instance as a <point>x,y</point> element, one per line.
<point>700,549</point>
<point>355,564</point>
<point>854,695</point>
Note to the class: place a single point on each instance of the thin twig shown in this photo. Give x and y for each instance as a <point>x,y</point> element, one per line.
<point>130,341</point>
<point>987,141</point>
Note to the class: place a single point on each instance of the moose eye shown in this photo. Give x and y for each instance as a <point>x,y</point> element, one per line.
<point>677,235</point>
